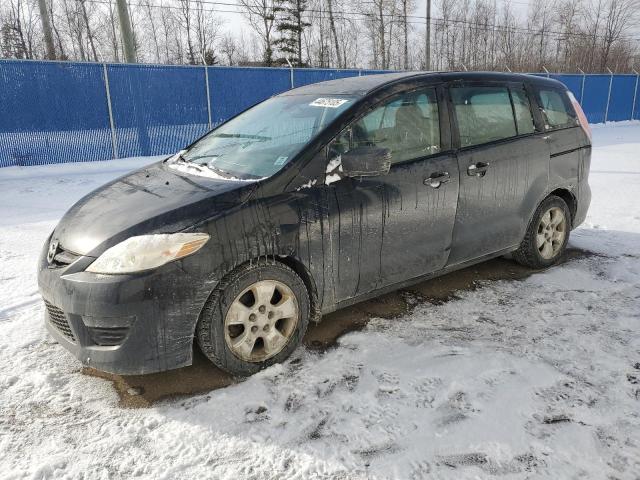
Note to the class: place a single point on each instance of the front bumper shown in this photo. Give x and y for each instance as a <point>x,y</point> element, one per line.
<point>124,324</point>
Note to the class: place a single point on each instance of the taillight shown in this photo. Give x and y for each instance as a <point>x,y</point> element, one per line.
<point>582,118</point>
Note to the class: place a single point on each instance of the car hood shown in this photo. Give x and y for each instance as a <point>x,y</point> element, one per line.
<point>155,199</point>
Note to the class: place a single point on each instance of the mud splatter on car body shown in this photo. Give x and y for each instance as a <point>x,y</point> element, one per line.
<point>349,240</point>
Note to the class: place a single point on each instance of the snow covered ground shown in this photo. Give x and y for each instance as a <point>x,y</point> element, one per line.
<point>538,378</point>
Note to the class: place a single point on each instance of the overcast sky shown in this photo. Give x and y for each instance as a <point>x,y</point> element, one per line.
<point>236,21</point>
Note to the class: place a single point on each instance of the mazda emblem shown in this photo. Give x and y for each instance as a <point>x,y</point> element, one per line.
<point>53,249</point>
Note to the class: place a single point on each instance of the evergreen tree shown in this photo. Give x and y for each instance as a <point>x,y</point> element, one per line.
<point>290,25</point>
<point>11,42</point>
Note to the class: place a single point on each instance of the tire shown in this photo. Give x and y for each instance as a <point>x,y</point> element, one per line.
<point>238,329</point>
<point>530,253</point>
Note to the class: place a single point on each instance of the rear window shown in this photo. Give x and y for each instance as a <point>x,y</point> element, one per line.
<point>484,114</point>
<point>556,110</point>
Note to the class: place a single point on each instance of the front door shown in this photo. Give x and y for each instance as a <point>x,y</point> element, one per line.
<point>504,168</point>
<point>393,227</point>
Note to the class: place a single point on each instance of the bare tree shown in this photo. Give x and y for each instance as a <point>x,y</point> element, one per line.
<point>13,32</point>
<point>113,31</point>
<point>561,35</point>
<point>334,33</point>
<point>187,20</point>
<point>230,49</point>
<point>261,17</point>
<point>207,28</point>
<point>153,28</point>
<point>620,16</point>
<point>87,25</point>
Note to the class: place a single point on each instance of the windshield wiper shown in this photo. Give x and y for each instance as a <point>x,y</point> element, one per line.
<point>200,167</point>
<point>243,135</point>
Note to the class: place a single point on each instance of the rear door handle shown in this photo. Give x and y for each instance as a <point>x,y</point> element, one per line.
<point>436,179</point>
<point>477,169</point>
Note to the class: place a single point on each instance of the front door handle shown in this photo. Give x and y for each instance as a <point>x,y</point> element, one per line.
<point>477,169</point>
<point>436,179</point>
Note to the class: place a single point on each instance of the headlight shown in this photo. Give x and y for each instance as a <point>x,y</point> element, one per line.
<point>145,252</point>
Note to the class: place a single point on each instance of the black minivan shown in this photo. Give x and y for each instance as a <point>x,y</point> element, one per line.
<point>310,201</point>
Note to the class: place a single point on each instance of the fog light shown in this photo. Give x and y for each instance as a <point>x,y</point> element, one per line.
<point>108,337</point>
<point>108,331</point>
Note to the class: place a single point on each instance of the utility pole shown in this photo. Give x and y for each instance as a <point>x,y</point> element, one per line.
<point>427,46</point>
<point>46,28</point>
<point>126,32</point>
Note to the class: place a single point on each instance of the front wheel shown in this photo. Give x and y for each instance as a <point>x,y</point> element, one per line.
<point>547,235</point>
<point>256,317</point>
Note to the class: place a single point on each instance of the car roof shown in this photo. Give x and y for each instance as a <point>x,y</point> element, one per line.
<point>362,85</point>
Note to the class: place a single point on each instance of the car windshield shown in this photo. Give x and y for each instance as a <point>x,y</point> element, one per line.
<point>259,142</point>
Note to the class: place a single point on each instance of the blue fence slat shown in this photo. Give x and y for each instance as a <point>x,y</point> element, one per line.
<point>52,112</point>
<point>233,90</point>
<point>636,110</point>
<point>157,109</point>
<point>594,103</point>
<point>376,72</point>
<point>306,76</point>
<point>572,82</point>
<point>621,103</point>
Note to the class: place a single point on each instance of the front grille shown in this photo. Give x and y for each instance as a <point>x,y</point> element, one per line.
<point>59,320</point>
<point>63,258</point>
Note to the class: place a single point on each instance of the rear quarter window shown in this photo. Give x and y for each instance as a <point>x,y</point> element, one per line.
<point>556,109</point>
<point>522,111</point>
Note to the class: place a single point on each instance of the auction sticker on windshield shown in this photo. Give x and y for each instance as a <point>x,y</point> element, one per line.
<point>328,102</point>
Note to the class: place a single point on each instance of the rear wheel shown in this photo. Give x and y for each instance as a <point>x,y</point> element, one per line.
<point>256,317</point>
<point>547,235</point>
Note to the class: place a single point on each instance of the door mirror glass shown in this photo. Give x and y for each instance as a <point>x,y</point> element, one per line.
<point>366,161</point>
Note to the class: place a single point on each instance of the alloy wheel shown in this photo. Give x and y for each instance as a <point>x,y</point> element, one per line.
<point>552,231</point>
<point>261,321</point>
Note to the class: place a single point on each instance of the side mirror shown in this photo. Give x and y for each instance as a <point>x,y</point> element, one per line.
<point>366,162</point>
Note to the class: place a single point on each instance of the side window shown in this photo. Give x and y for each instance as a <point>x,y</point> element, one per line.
<point>556,110</point>
<point>408,125</point>
<point>484,114</point>
<point>522,110</point>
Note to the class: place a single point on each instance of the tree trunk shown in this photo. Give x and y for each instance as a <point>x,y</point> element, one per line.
<point>406,34</point>
<point>299,20</point>
<point>334,32</point>
<point>153,32</point>
<point>268,47</point>
<point>85,17</point>
<point>383,49</point>
<point>46,28</point>
<point>126,31</point>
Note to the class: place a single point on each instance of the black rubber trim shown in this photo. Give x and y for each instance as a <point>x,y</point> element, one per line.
<point>569,151</point>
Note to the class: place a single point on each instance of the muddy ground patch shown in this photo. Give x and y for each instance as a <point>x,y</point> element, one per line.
<point>138,391</point>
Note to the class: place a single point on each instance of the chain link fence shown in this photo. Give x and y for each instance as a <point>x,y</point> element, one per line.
<point>54,112</point>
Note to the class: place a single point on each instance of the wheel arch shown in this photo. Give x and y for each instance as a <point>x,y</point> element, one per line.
<point>315,311</point>
<point>569,198</point>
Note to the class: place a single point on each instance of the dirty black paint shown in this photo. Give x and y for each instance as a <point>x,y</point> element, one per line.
<point>349,240</point>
